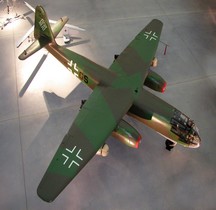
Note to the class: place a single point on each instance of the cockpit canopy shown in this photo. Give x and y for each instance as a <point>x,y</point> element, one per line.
<point>185,128</point>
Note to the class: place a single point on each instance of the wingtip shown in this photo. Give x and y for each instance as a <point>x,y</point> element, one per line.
<point>42,197</point>
<point>157,20</point>
<point>23,55</point>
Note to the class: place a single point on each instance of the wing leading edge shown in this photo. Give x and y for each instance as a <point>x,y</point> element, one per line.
<point>92,126</point>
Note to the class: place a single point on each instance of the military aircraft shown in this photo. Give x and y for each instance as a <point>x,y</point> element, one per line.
<point>117,91</point>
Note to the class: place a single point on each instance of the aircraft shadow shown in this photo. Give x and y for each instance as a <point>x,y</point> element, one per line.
<point>34,73</point>
<point>40,63</point>
<point>30,21</point>
<point>55,102</point>
<point>28,13</point>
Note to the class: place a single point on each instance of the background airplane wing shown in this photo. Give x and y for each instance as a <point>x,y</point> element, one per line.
<point>92,126</point>
<point>29,6</point>
<point>138,55</point>
<point>25,36</point>
<point>53,21</point>
<point>69,26</point>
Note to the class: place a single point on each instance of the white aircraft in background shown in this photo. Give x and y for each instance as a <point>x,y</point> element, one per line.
<point>7,20</point>
<point>66,37</point>
<point>10,20</point>
<point>9,4</point>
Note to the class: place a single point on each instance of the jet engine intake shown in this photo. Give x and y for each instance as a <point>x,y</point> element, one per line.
<point>127,134</point>
<point>155,82</point>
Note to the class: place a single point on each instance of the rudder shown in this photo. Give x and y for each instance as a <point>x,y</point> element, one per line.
<point>42,26</point>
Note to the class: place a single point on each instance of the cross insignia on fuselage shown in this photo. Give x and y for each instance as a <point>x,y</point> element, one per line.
<point>72,156</point>
<point>150,35</point>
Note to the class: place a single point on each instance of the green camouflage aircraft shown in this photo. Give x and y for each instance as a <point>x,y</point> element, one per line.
<point>116,91</point>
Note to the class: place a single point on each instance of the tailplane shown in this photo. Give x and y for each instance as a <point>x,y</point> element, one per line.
<point>44,34</point>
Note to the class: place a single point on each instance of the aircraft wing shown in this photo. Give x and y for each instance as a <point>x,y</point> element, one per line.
<point>69,26</point>
<point>138,55</point>
<point>29,6</point>
<point>94,123</point>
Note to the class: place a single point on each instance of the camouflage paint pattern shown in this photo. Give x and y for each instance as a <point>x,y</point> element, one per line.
<point>116,91</point>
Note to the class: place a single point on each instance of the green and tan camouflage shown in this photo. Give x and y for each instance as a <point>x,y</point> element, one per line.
<point>117,91</point>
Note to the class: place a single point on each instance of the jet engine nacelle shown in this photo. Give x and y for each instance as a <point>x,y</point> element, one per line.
<point>155,82</point>
<point>127,134</point>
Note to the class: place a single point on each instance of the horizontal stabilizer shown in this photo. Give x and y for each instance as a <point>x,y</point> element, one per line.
<point>57,27</point>
<point>33,48</point>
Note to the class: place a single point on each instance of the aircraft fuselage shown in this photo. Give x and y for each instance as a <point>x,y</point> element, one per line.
<point>147,108</point>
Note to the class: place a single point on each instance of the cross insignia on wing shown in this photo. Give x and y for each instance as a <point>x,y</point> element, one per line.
<point>72,155</point>
<point>150,35</point>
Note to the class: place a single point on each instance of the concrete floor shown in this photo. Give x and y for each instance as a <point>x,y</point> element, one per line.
<point>39,101</point>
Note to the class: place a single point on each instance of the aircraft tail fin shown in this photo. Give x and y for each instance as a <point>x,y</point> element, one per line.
<point>44,34</point>
<point>42,30</point>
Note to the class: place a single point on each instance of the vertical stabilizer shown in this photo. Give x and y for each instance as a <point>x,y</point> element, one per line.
<point>44,34</point>
<point>42,27</point>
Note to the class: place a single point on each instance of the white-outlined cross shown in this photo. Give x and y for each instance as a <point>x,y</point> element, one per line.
<point>150,35</point>
<point>68,157</point>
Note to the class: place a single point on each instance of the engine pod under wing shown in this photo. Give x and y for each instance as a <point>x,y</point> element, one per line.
<point>127,134</point>
<point>155,82</point>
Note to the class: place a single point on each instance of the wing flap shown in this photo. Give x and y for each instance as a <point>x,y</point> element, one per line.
<point>92,126</point>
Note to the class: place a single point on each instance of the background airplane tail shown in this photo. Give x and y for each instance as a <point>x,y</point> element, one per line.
<point>44,34</point>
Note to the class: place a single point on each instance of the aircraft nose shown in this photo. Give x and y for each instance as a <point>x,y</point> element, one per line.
<point>195,142</point>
